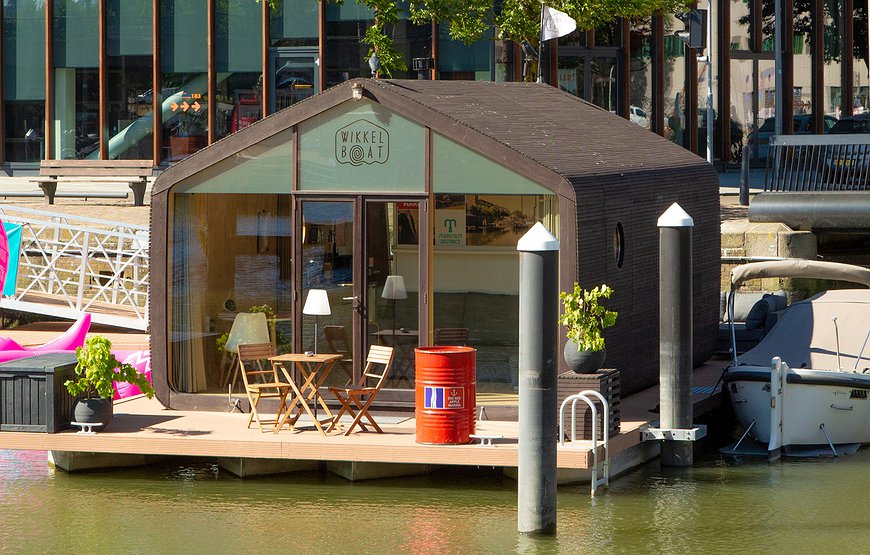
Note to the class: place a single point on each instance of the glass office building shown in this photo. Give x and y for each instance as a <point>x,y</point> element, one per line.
<point>161,79</point>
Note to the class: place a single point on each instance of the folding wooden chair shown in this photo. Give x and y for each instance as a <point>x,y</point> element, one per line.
<point>356,401</point>
<point>261,380</point>
<point>451,336</point>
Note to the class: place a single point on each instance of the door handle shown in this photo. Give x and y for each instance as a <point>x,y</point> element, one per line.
<point>354,300</point>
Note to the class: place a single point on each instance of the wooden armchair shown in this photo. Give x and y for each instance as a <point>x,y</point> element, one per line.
<point>261,380</point>
<point>357,401</point>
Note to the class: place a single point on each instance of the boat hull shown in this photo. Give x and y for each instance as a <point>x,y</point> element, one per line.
<point>813,403</point>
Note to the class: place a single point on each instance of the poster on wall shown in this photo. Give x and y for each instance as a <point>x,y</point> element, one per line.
<point>473,220</point>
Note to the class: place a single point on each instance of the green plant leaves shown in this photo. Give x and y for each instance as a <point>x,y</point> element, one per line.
<point>96,370</point>
<point>584,318</point>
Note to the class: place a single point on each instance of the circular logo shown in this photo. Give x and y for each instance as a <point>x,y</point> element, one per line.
<point>357,155</point>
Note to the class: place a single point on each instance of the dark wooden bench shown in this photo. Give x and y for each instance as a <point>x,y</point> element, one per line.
<point>134,172</point>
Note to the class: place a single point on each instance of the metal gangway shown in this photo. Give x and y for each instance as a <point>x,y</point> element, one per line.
<point>585,396</point>
<point>68,265</point>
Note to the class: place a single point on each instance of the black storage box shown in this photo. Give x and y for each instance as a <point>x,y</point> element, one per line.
<point>32,395</point>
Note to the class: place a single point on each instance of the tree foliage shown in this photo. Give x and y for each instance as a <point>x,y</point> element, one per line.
<point>516,20</point>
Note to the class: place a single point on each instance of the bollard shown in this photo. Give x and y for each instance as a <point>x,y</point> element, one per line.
<point>675,332</point>
<point>744,175</point>
<point>539,312</point>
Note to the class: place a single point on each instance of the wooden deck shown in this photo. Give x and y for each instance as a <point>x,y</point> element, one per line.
<point>56,303</point>
<point>144,427</point>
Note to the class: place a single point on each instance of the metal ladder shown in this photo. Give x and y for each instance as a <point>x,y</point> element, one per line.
<point>585,396</point>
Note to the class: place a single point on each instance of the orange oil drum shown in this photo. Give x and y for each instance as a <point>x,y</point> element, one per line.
<point>446,385</point>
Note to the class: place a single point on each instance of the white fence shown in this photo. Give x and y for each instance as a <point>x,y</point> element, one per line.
<point>68,265</point>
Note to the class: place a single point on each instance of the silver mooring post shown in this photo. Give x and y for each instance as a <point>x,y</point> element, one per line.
<point>675,329</point>
<point>539,312</point>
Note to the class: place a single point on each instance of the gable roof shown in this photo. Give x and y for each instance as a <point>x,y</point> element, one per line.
<point>548,135</point>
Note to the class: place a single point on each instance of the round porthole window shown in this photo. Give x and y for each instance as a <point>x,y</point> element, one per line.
<point>618,244</point>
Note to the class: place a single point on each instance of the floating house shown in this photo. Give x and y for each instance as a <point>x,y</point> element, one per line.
<point>403,200</point>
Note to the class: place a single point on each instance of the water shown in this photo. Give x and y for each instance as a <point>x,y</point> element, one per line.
<point>190,506</point>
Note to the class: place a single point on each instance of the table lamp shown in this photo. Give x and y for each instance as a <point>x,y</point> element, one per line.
<point>317,305</point>
<point>394,288</point>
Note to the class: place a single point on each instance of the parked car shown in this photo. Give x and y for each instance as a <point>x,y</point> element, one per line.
<point>849,166</point>
<point>803,125</point>
<point>859,123</point>
<point>639,116</point>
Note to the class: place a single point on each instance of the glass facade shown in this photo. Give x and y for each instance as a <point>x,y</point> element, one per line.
<point>640,86</point>
<point>130,95</point>
<point>184,80</point>
<point>76,62</point>
<point>484,60</point>
<point>242,263</point>
<point>833,62</point>
<point>239,65</point>
<point>828,81</point>
<point>24,80</point>
<point>675,90</point>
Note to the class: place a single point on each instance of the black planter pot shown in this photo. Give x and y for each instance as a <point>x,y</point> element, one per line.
<point>583,362</point>
<point>93,411</point>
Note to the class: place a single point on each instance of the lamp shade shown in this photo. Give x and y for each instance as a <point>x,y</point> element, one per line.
<point>316,303</point>
<point>394,288</point>
<point>247,328</point>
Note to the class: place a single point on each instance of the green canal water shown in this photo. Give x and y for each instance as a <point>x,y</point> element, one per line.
<point>190,507</point>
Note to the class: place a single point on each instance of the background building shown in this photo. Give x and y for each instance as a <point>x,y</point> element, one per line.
<point>160,79</point>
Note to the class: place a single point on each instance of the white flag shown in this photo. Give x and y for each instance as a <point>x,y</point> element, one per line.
<point>555,24</point>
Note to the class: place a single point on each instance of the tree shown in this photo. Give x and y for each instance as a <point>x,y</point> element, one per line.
<point>516,20</point>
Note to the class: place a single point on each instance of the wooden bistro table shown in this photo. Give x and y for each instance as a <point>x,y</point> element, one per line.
<point>311,371</point>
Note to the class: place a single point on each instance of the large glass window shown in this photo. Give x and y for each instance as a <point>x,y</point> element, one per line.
<point>346,24</point>
<point>473,232</point>
<point>184,66</point>
<point>76,79</point>
<point>485,60</point>
<point>24,79</point>
<point>346,55</point>
<point>239,62</point>
<point>833,53</point>
<point>294,23</point>
<point>130,102</point>
<point>481,210</point>
<point>674,73</point>
<point>861,65</point>
<point>640,73</point>
<point>240,265</point>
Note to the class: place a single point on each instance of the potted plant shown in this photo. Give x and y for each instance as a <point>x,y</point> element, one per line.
<point>585,320</point>
<point>97,368</point>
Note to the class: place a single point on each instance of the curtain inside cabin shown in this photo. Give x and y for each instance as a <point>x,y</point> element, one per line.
<point>188,362</point>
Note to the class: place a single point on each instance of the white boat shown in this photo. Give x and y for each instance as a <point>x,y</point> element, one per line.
<point>805,385</point>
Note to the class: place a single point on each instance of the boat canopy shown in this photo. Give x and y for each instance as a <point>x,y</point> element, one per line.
<point>798,268</point>
<point>805,335</point>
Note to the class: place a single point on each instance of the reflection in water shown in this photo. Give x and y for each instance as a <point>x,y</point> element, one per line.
<point>191,507</point>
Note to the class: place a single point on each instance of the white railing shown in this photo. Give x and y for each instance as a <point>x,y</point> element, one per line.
<point>69,265</point>
<point>585,396</point>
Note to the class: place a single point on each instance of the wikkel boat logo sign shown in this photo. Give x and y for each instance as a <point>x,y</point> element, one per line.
<point>362,142</point>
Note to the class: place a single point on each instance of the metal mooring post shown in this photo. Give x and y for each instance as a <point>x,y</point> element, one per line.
<point>539,312</point>
<point>675,332</point>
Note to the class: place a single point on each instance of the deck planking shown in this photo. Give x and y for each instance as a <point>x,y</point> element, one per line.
<point>144,427</point>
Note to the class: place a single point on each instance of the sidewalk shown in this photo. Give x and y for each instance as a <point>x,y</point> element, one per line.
<point>729,182</point>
